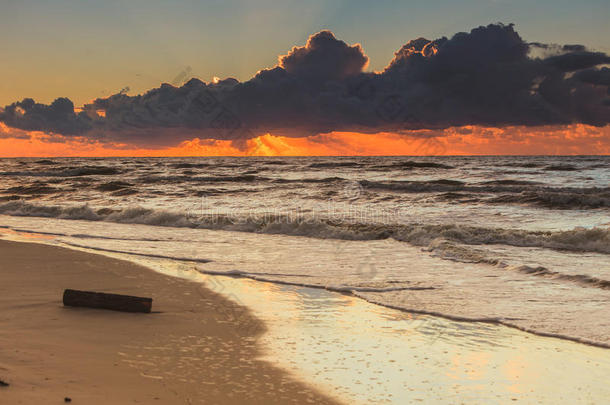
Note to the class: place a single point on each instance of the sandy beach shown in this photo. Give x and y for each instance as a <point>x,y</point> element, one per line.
<point>196,346</point>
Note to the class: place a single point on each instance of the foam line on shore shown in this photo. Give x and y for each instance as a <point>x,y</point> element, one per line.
<point>355,292</point>
<point>334,288</point>
<point>183,259</point>
<point>499,321</point>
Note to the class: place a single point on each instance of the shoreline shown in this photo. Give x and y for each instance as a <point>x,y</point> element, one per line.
<point>351,293</point>
<point>411,310</point>
<point>196,346</point>
<point>254,277</point>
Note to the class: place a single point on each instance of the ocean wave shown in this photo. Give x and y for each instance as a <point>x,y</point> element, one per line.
<point>125,192</point>
<point>511,182</point>
<point>86,171</point>
<point>229,179</point>
<point>22,208</point>
<point>582,279</point>
<point>275,163</point>
<point>512,191</point>
<point>561,168</point>
<point>458,197</point>
<point>190,165</point>
<point>524,165</point>
<point>599,198</point>
<point>412,165</point>
<point>153,179</point>
<point>113,186</point>
<point>333,165</point>
<point>449,250</point>
<point>222,191</point>
<point>68,172</point>
<point>310,180</point>
<point>578,239</point>
<point>246,178</point>
<point>10,197</point>
<point>45,162</point>
<point>440,185</point>
<point>341,288</point>
<point>32,189</point>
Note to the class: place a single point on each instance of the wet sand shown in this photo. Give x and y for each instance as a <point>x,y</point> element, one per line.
<point>196,346</point>
<point>370,354</point>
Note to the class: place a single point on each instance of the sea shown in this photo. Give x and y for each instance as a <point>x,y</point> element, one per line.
<point>383,279</point>
<point>522,241</point>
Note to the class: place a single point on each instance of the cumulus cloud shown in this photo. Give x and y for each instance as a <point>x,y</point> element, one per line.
<point>489,76</point>
<point>599,77</point>
<point>57,117</point>
<point>578,60</point>
<point>324,58</point>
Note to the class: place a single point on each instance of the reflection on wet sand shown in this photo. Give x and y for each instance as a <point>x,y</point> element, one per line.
<point>372,354</point>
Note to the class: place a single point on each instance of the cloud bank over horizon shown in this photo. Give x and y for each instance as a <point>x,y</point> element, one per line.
<point>488,77</point>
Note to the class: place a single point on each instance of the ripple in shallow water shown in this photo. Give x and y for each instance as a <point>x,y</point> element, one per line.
<point>367,354</point>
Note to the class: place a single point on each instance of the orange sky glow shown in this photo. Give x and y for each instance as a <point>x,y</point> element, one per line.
<point>576,139</point>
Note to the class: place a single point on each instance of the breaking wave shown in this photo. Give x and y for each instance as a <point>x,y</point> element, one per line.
<point>582,279</point>
<point>449,250</point>
<point>578,239</point>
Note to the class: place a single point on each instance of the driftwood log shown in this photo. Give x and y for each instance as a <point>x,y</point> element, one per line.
<point>114,302</point>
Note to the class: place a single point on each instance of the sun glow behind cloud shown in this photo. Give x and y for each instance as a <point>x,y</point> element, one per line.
<point>574,139</point>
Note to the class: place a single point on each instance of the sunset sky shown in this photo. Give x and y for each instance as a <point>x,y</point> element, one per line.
<point>354,85</point>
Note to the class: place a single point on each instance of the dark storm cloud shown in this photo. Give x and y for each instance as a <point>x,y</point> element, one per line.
<point>488,76</point>
<point>577,60</point>
<point>559,48</point>
<point>325,58</point>
<point>57,117</point>
<point>594,76</point>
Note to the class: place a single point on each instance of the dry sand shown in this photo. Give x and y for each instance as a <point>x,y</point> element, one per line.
<point>197,347</point>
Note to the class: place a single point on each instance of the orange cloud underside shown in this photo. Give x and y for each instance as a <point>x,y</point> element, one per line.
<point>470,140</point>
